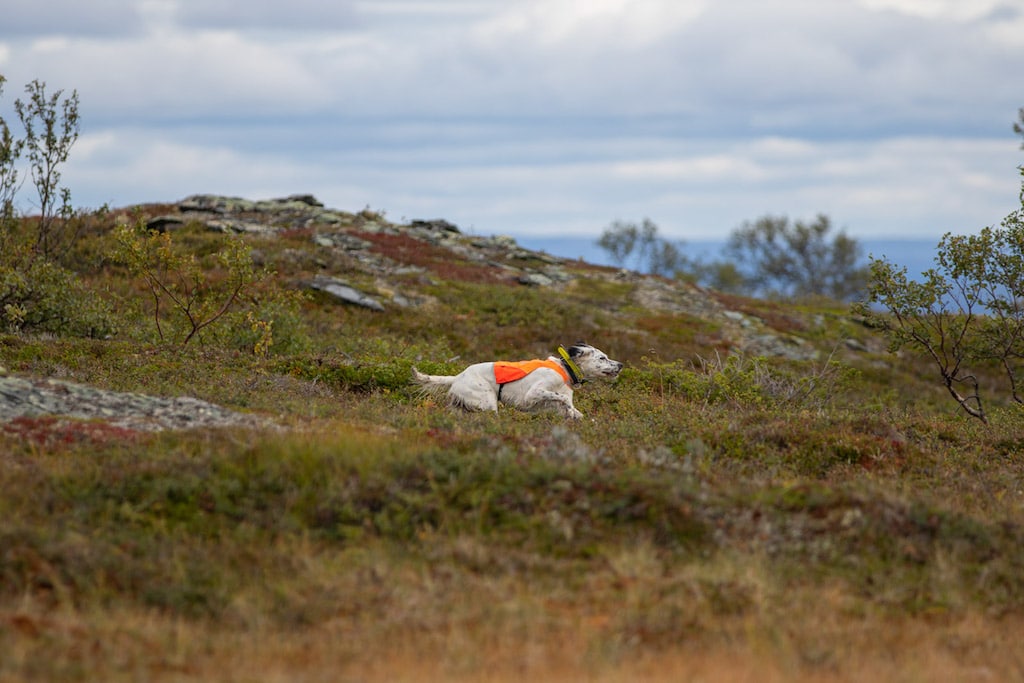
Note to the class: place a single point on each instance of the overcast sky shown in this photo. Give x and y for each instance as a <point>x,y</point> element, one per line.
<point>544,117</point>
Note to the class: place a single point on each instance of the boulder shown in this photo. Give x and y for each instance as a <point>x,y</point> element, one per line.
<point>20,397</point>
<point>435,225</point>
<point>344,292</point>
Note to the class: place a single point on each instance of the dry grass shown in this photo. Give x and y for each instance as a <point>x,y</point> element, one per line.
<point>511,578</point>
<point>528,642</point>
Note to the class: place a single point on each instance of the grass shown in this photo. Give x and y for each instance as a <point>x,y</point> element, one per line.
<point>703,522</point>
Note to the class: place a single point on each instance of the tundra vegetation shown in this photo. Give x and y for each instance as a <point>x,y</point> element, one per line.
<point>717,515</point>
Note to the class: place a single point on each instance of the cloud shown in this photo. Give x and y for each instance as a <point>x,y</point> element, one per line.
<point>597,25</point>
<point>170,75</point>
<point>514,181</point>
<point>100,18</point>
<point>162,169</point>
<point>955,10</point>
<point>307,15</point>
<point>827,68</point>
<point>541,117</point>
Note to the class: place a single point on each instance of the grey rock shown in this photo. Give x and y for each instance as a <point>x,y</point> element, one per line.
<point>168,222</point>
<point>502,242</point>
<point>340,240</point>
<point>307,199</point>
<point>21,397</point>
<point>855,345</point>
<point>230,226</point>
<point>435,225</point>
<point>216,204</point>
<point>779,346</point>
<point>558,274</point>
<point>344,292</point>
<point>536,280</point>
<point>738,317</point>
<point>331,217</point>
<point>210,222</point>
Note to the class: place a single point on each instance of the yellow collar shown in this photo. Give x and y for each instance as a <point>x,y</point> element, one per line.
<point>574,370</point>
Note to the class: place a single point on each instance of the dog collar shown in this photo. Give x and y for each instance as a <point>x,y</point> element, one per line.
<point>575,374</point>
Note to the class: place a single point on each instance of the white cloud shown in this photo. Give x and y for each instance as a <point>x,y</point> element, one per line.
<point>315,16</point>
<point>906,186</point>
<point>956,10</point>
<point>27,18</point>
<point>105,167</point>
<point>586,26</point>
<point>700,169</point>
<point>768,67</point>
<point>212,74</point>
<point>548,116</point>
<point>1006,29</point>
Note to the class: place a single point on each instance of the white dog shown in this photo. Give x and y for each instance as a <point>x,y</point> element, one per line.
<point>527,385</point>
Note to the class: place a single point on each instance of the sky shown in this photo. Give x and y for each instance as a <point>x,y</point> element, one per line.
<point>548,118</point>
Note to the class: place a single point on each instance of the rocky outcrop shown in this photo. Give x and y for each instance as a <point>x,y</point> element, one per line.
<point>746,333</point>
<point>32,398</point>
<point>352,237</point>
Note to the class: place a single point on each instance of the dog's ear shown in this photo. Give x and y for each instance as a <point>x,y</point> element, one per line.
<point>577,350</point>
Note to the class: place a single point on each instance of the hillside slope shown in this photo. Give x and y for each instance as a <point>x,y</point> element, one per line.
<point>764,493</point>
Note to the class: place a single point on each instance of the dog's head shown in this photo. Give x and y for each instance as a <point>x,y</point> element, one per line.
<point>593,362</point>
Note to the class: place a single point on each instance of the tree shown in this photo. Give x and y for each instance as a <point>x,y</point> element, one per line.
<point>51,129</point>
<point>619,239</point>
<point>720,275</point>
<point>10,152</point>
<point>651,252</point>
<point>665,258</point>
<point>36,293</point>
<point>784,259</point>
<point>964,314</point>
<point>930,318</point>
<point>1018,127</point>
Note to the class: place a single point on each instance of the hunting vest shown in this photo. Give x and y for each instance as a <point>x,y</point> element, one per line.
<point>509,371</point>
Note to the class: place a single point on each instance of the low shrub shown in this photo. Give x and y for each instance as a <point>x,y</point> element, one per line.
<point>743,381</point>
<point>43,297</point>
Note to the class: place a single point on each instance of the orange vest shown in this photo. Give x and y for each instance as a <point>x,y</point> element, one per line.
<point>509,371</point>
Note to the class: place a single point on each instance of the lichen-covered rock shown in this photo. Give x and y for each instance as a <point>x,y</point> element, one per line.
<point>20,397</point>
<point>344,292</point>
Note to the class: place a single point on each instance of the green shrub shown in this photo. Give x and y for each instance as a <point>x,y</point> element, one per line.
<point>187,296</point>
<point>37,294</point>
<point>43,297</point>
<point>267,324</point>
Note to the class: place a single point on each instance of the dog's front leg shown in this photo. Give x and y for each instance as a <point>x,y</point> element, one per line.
<point>562,401</point>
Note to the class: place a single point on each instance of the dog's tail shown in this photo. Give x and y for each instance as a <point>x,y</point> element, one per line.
<point>432,384</point>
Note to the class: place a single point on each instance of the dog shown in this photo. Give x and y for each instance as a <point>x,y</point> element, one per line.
<point>527,385</point>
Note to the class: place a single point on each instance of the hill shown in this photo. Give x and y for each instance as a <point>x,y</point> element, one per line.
<point>765,493</point>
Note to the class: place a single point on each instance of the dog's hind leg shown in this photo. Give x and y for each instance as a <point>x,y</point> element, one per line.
<point>473,392</point>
